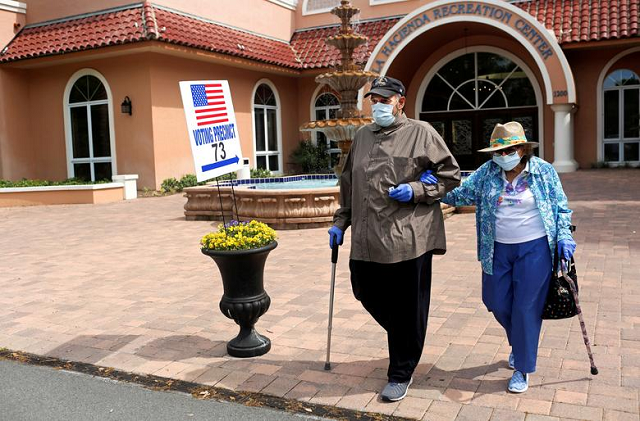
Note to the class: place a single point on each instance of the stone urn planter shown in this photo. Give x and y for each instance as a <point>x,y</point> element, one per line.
<point>244,299</point>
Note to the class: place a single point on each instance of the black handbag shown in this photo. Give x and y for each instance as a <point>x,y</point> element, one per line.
<point>560,303</point>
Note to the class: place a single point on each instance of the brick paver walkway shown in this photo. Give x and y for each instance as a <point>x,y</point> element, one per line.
<point>125,285</point>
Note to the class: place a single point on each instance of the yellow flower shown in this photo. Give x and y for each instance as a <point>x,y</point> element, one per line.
<point>239,236</point>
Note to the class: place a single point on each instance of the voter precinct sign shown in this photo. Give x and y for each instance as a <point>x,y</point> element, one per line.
<point>213,131</point>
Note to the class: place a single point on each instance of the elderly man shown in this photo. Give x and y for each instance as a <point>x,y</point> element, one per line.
<point>396,224</point>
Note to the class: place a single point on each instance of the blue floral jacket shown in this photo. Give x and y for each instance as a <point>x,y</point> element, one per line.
<point>483,187</point>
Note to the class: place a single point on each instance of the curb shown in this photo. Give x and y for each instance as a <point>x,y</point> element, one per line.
<point>197,390</point>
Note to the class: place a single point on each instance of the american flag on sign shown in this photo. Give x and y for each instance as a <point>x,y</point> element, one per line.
<point>208,101</point>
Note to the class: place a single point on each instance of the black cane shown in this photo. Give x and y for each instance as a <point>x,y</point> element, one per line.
<point>334,260</point>
<point>585,337</point>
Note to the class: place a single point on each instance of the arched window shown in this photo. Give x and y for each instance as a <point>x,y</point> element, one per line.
<point>622,117</point>
<point>265,116</point>
<point>470,94</point>
<point>478,81</point>
<point>89,130</point>
<point>325,108</point>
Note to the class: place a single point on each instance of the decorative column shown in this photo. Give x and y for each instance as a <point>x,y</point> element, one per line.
<point>563,138</point>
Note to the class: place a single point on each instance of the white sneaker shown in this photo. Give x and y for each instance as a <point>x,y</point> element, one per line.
<point>519,382</point>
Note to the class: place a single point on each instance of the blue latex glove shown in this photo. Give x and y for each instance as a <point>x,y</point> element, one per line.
<point>428,178</point>
<point>402,193</point>
<point>335,236</point>
<point>566,248</point>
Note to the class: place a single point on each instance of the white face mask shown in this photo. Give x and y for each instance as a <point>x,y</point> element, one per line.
<point>507,162</point>
<point>383,114</point>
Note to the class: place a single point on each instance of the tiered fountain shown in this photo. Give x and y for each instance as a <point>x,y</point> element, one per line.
<point>308,207</point>
<point>347,80</point>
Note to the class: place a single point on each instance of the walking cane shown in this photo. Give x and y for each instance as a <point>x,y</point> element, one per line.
<point>334,260</point>
<point>574,291</point>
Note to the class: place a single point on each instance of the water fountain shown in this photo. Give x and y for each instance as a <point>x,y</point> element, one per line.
<point>346,80</point>
<point>312,203</point>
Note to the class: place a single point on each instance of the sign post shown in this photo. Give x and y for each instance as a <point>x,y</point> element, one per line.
<point>213,131</point>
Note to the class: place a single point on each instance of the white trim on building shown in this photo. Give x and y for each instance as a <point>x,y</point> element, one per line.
<point>600,99</point>
<point>379,2</point>
<point>278,108</point>
<point>13,6</point>
<point>68,128</point>
<point>287,4</point>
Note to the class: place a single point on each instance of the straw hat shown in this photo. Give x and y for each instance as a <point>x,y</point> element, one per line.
<point>507,135</point>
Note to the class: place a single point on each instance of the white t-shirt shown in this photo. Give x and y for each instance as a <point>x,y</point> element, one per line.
<point>518,219</point>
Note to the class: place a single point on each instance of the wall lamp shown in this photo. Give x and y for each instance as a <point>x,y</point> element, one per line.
<point>126,107</point>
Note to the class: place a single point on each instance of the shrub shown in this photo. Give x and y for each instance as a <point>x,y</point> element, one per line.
<point>311,158</point>
<point>170,185</point>
<point>260,173</point>
<point>39,183</point>
<point>188,180</point>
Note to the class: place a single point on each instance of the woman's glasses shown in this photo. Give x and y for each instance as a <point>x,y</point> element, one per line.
<point>507,151</point>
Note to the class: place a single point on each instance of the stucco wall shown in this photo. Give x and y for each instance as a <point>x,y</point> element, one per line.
<point>366,12</point>
<point>173,153</point>
<point>10,24</point>
<point>36,133</point>
<point>259,16</point>
<point>17,150</point>
<point>588,65</point>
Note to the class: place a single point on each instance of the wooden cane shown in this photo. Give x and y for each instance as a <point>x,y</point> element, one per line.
<point>574,291</point>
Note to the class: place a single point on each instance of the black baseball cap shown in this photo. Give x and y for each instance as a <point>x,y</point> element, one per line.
<point>386,86</point>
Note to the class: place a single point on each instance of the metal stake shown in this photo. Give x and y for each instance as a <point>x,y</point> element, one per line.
<point>224,223</point>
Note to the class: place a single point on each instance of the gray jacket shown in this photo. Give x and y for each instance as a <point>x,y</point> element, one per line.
<point>384,230</point>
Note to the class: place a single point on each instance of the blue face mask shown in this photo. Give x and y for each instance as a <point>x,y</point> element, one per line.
<point>383,114</point>
<point>507,162</point>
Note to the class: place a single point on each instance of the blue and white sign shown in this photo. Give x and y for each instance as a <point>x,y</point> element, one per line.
<point>213,131</point>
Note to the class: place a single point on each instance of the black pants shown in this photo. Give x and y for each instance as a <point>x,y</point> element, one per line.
<point>397,295</point>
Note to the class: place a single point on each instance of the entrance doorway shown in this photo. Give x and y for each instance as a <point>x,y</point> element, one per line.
<point>470,94</point>
<point>466,132</point>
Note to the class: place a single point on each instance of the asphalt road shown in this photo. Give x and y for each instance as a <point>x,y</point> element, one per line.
<point>32,393</point>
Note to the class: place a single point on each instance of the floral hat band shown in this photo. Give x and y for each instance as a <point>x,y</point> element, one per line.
<point>507,135</point>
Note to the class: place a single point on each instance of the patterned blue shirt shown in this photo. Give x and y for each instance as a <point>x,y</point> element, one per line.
<point>483,187</point>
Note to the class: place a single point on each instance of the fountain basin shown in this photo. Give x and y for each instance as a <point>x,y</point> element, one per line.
<point>349,80</point>
<point>342,129</point>
<point>306,201</point>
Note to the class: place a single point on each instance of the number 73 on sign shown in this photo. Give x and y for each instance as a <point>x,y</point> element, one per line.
<point>212,127</point>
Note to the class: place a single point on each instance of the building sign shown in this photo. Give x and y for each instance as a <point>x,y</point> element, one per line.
<point>212,127</point>
<point>471,9</point>
<point>514,22</point>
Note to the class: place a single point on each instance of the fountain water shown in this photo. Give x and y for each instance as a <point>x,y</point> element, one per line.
<point>347,80</point>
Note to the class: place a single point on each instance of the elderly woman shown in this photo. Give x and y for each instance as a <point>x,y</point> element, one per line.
<point>521,217</point>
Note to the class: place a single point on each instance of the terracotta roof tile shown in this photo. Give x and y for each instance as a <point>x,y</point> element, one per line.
<point>586,20</point>
<point>571,21</point>
<point>313,52</point>
<point>144,22</point>
<point>83,33</point>
<point>177,28</point>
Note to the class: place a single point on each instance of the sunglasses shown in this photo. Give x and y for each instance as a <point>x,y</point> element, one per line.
<point>507,151</point>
